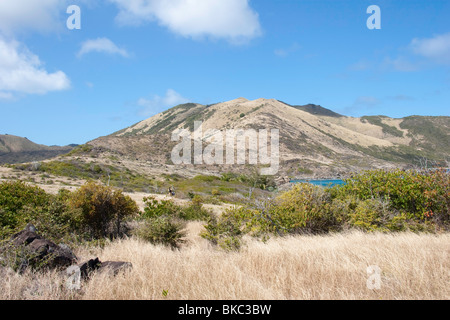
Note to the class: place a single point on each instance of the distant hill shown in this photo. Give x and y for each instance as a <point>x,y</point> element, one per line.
<point>313,140</point>
<point>14,149</point>
<point>316,110</point>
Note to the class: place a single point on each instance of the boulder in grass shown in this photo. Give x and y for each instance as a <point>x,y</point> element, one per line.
<point>38,252</point>
<point>33,250</point>
<point>87,268</point>
<point>114,267</point>
<point>26,236</point>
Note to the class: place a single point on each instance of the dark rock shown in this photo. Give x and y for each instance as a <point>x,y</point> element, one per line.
<point>87,268</point>
<point>114,267</point>
<point>24,238</point>
<point>40,252</point>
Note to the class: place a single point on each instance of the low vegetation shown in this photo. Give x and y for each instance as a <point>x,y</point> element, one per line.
<point>383,201</point>
<point>373,201</point>
<point>375,208</point>
<point>163,222</point>
<point>108,174</point>
<point>93,212</point>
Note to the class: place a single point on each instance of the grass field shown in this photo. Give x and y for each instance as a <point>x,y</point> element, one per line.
<point>301,267</point>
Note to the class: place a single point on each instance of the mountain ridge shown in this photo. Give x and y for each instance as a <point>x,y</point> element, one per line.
<point>312,138</point>
<point>15,149</point>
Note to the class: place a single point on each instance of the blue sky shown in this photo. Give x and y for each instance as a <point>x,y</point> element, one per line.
<point>132,59</point>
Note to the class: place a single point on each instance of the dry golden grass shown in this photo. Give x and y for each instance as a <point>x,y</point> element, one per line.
<point>302,267</point>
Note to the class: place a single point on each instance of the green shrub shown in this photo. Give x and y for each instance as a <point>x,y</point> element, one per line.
<point>420,197</point>
<point>103,210</point>
<point>304,209</point>
<point>229,176</point>
<point>15,197</point>
<point>225,231</point>
<point>21,204</point>
<point>154,208</point>
<point>374,215</point>
<point>386,201</point>
<point>370,215</point>
<point>206,178</point>
<point>81,149</point>
<point>195,210</point>
<point>162,230</point>
<point>162,222</point>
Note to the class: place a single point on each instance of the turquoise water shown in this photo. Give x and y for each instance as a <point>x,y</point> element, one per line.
<point>323,183</point>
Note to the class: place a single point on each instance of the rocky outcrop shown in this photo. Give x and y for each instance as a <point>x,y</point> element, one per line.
<point>38,252</point>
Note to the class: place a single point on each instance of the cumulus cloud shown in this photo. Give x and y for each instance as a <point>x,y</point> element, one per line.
<point>6,96</point>
<point>23,15</point>
<point>21,71</point>
<point>233,20</point>
<point>417,55</point>
<point>103,45</point>
<point>436,48</point>
<point>156,103</point>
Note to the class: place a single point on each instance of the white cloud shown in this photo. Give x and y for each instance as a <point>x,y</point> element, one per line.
<point>417,55</point>
<point>21,72</point>
<point>101,45</point>
<point>233,20</point>
<point>436,48</point>
<point>155,104</point>
<point>6,96</point>
<point>22,15</point>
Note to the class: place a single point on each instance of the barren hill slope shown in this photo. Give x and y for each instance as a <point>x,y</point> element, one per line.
<point>313,139</point>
